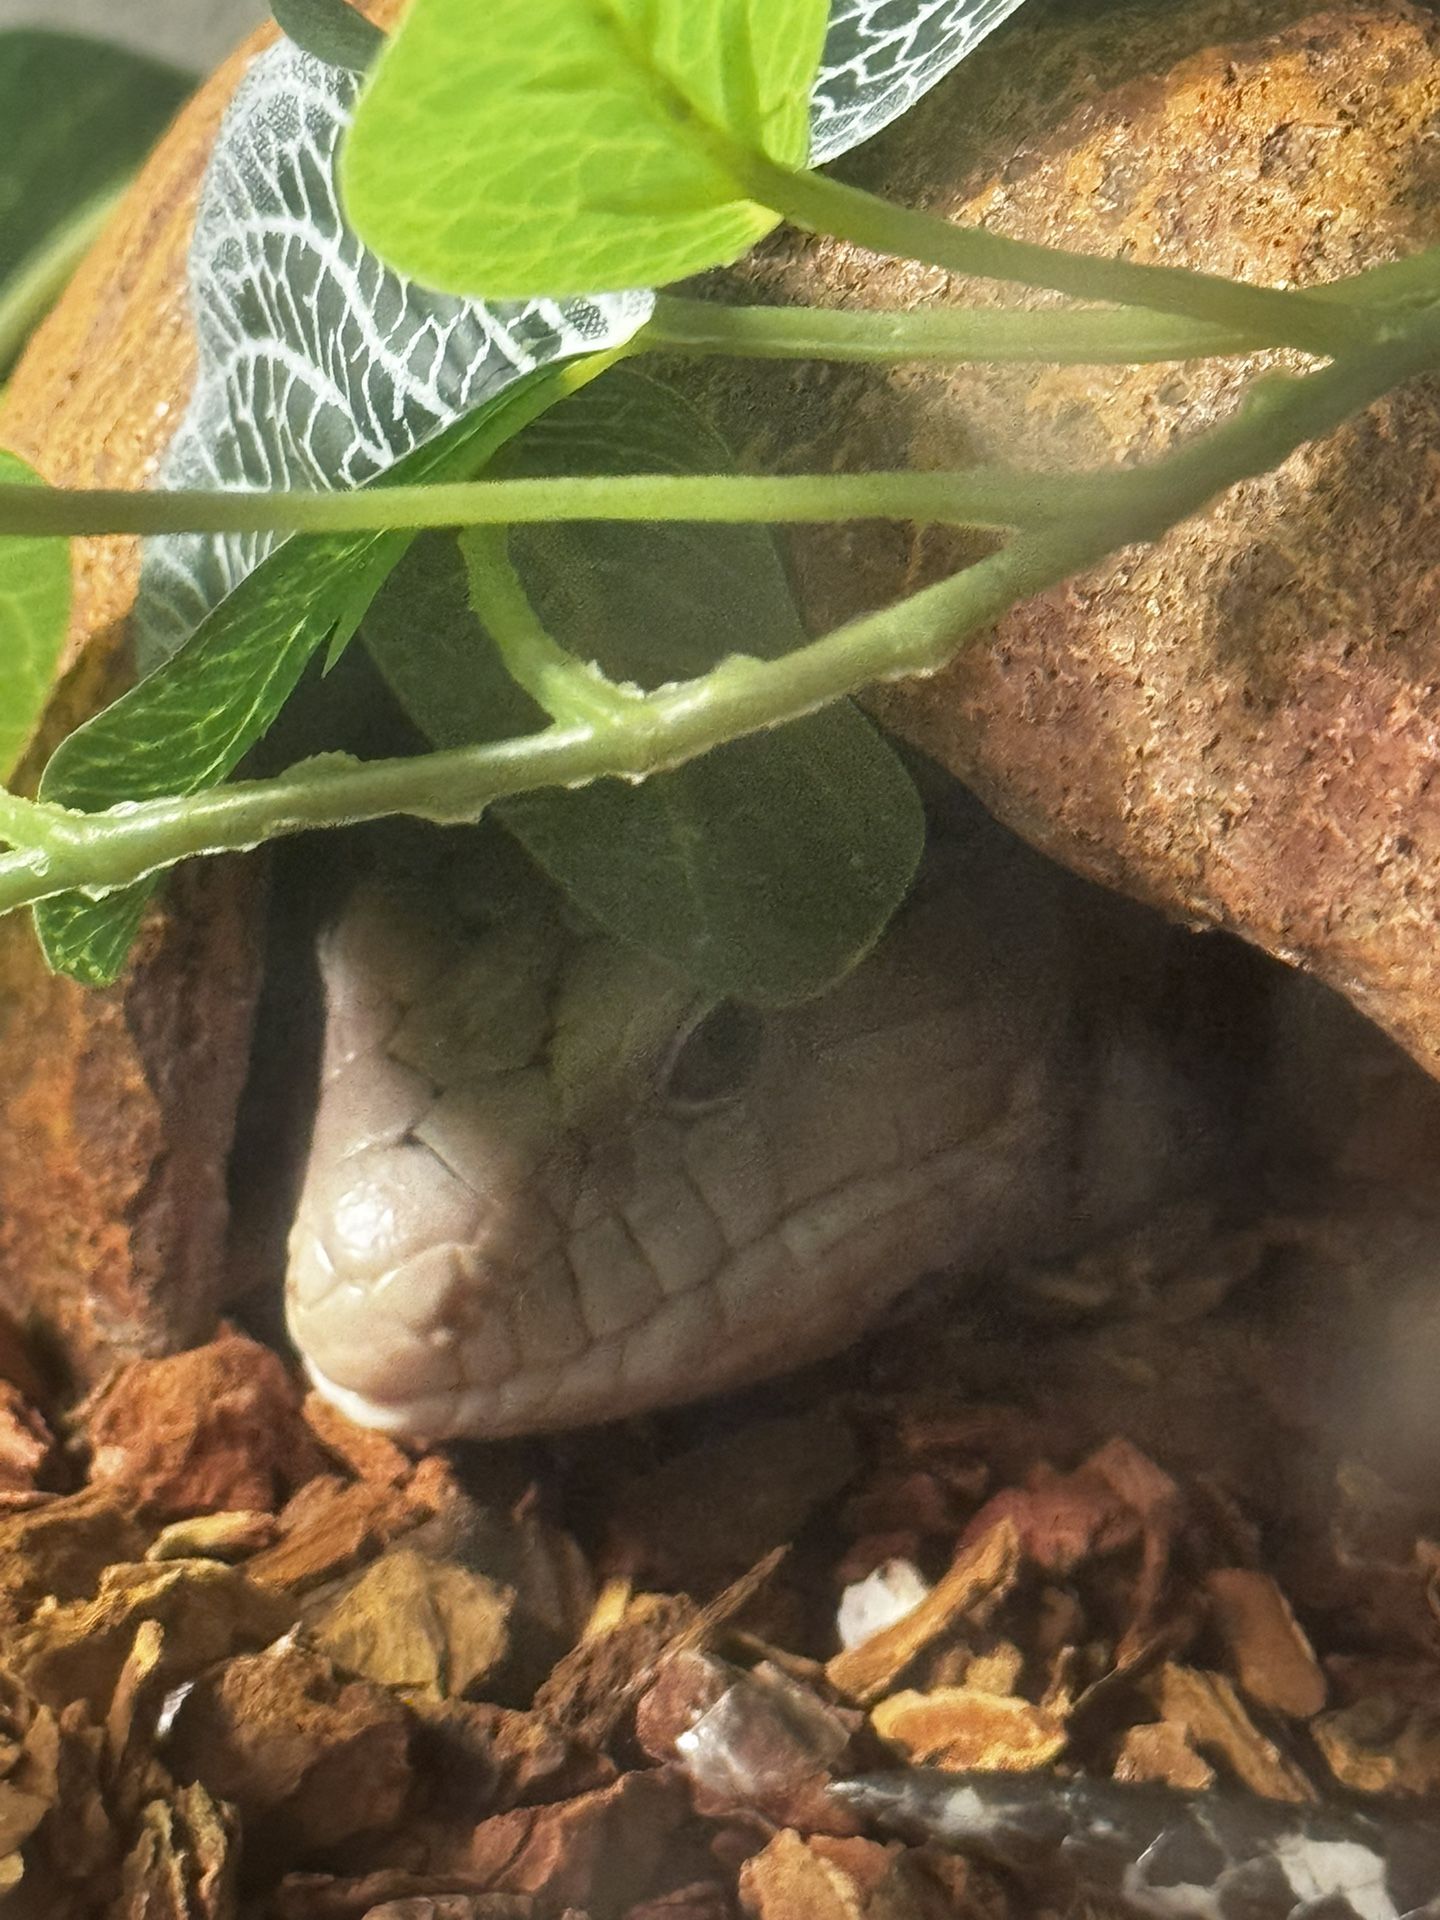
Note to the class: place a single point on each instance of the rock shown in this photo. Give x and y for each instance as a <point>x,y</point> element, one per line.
<point>117,1107</point>
<point>1238,724</point>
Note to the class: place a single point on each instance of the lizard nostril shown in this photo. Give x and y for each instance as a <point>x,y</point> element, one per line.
<point>713,1058</point>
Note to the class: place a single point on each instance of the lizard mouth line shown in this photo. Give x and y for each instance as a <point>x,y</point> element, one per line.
<point>474,1409</point>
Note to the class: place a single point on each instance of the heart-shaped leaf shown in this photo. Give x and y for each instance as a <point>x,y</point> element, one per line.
<point>572,144</point>
<point>763,870</point>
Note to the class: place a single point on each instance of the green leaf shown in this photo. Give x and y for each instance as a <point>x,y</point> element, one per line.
<point>763,870</point>
<point>34,617</point>
<point>555,146</point>
<point>190,722</point>
<point>330,29</point>
<point>79,116</point>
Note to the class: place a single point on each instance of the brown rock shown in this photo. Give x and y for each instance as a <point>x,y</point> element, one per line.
<point>1236,724</point>
<point>118,1106</point>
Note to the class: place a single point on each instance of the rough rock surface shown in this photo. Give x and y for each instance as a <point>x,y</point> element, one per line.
<point>116,1107</point>
<point>1238,724</point>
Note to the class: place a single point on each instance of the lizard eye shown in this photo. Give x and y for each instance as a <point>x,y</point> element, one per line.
<point>712,1058</point>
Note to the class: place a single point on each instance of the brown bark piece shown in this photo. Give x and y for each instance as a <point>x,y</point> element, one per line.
<point>115,1123</point>
<point>305,1896</point>
<point>214,1536</point>
<point>822,1879</point>
<point>184,1863</point>
<point>1162,1753</point>
<point>1236,724</point>
<point>981,1574</point>
<point>706,1900</point>
<point>602,1852</point>
<point>370,1456</point>
<point>332,1526</point>
<point>477,1758</point>
<point>77,1651</point>
<point>217,1427</point>
<point>58,1551</point>
<point>1383,1745</point>
<point>1208,1709</point>
<point>26,1448</point>
<point>424,1626</point>
<point>966,1728</point>
<point>1274,1661</point>
<point>308,1759</point>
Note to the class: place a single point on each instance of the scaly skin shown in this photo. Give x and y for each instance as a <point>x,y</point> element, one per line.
<point>514,1218</point>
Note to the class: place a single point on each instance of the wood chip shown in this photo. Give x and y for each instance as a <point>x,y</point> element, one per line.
<point>1383,1745</point>
<point>1162,1753</point>
<point>208,1610</point>
<point>1208,1709</point>
<point>966,1729</point>
<point>1273,1660</point>
<point>216,1427</point>
<point>425,1627</point>
<point>308,1758</point>
<point>981,1574</point>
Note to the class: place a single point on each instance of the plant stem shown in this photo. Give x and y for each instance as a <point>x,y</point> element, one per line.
<point>1064,337</point>
<point>1270,315</point>
<point>571,691</point>
<point>1395,284</point>
<point>742,695</point>
<point>979,497</point>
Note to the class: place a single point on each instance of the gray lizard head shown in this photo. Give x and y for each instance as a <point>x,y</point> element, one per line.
<point>547,1186</point>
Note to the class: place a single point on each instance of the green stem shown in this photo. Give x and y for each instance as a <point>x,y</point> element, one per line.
<point>1394,285</point>
<point>571,691</point>
<point>30,293</point>
<point>821,204</point>
<point>979,497</point>
<point>1064,337</point>
<point>1271,315</point>
<point>103,851</point>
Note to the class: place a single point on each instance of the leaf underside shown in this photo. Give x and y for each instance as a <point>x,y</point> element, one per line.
<point>762,870</point>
